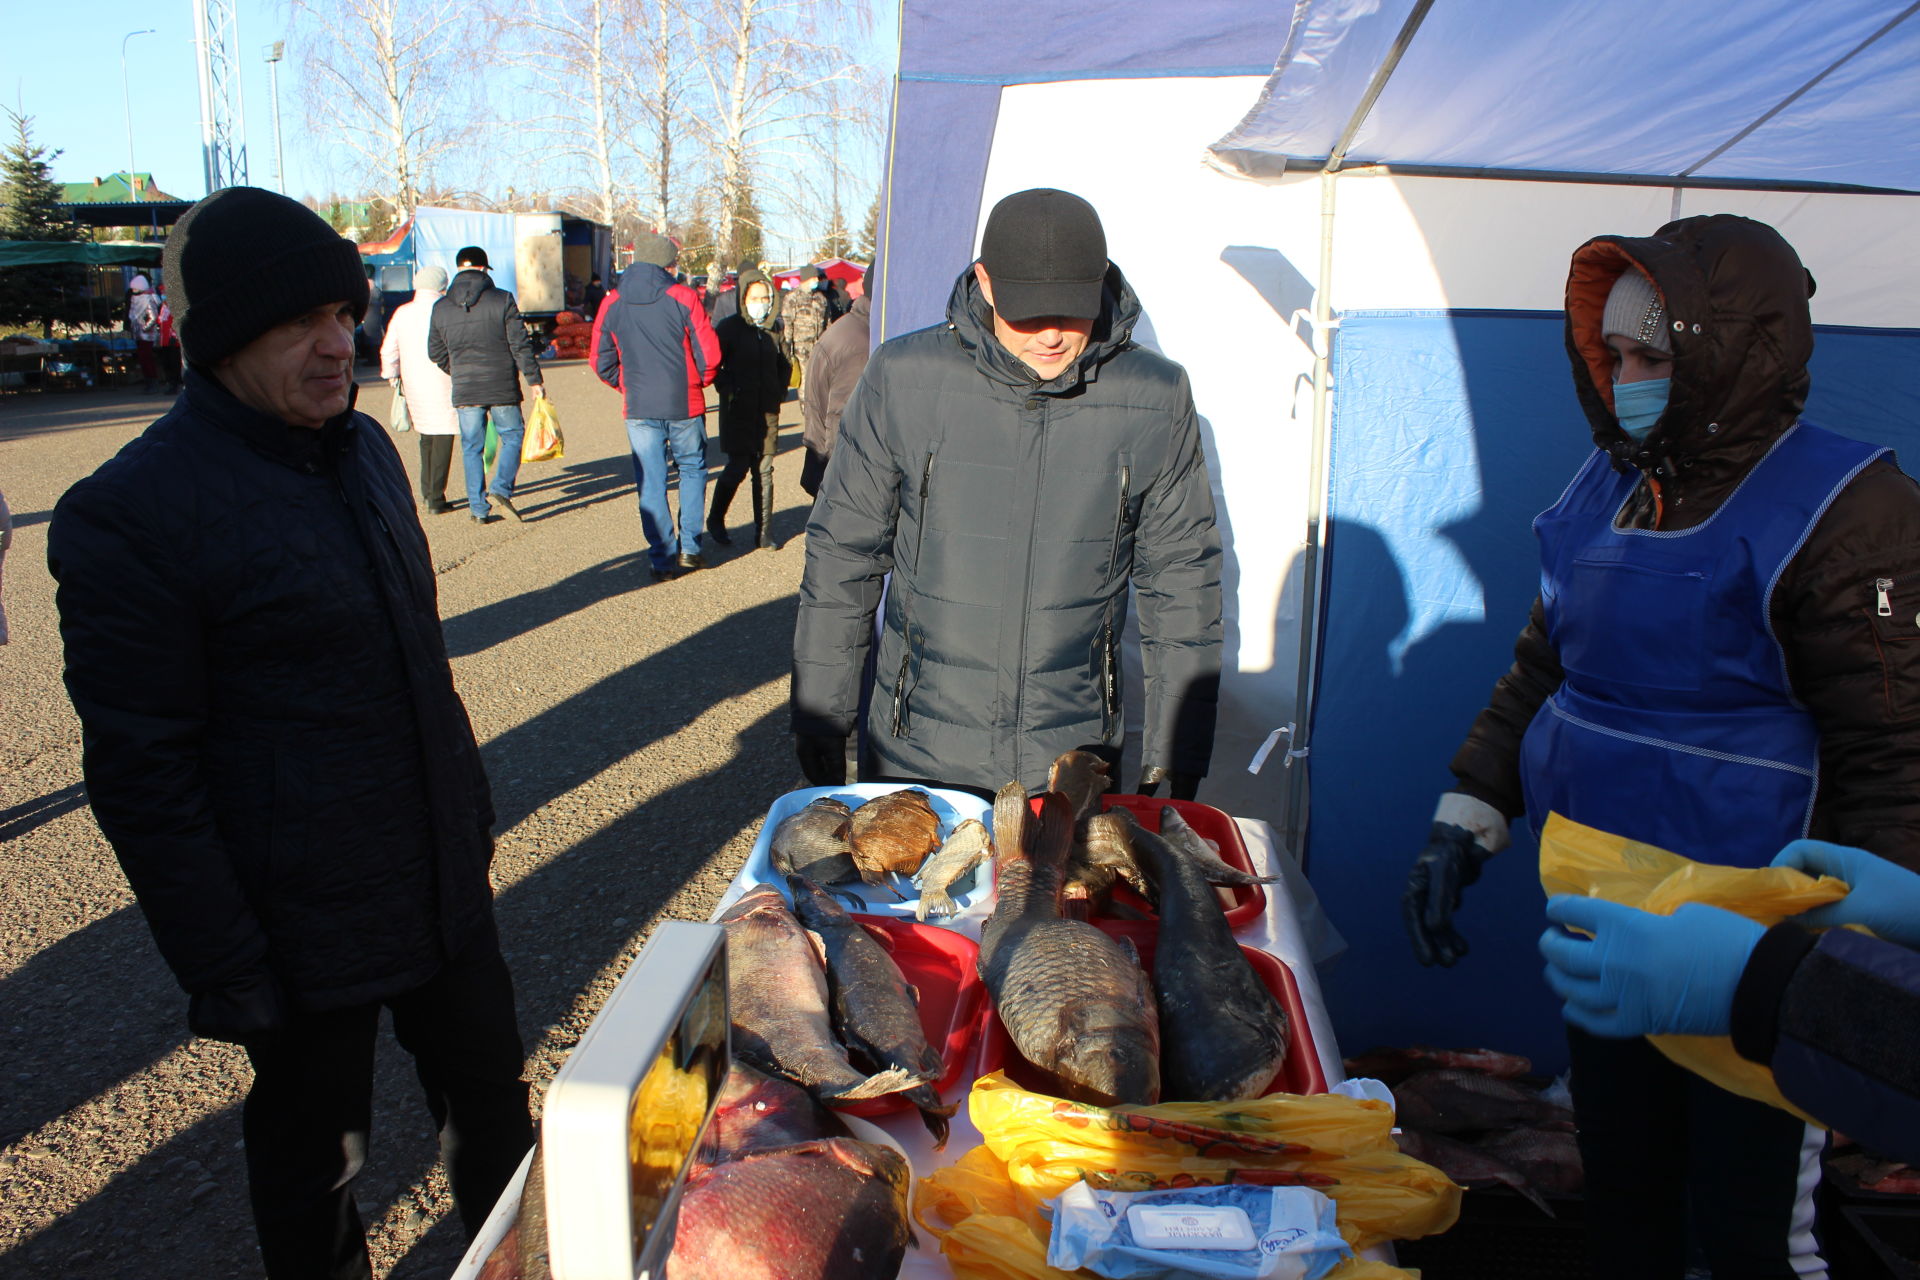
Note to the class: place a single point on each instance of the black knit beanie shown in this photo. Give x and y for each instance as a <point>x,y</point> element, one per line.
<point>244,260</point>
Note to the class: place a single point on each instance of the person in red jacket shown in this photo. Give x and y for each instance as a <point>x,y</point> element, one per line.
<point>652,342</point>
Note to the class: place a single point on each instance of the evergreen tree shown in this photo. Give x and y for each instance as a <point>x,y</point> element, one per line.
<point>29,210</point>
<point>838,242</point>
<point>749,240</point>
<point>869,242</point>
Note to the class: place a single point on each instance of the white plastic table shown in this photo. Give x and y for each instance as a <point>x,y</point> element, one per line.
<point>1280,931</point>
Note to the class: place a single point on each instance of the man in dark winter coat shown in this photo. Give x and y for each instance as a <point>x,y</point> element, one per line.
<point>273,742</point>
<point>805,313</point>
<point>478,338</point>
<point>752,385</point>
<point>652,343</point>
<point>1719,663</point>
<point>838,360</point>
<point>1015,469</point>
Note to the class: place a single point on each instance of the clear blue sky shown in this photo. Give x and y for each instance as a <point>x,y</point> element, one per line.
<point>61,62</point>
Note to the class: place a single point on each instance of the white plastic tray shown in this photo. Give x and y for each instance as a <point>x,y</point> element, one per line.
<point>952,808</point>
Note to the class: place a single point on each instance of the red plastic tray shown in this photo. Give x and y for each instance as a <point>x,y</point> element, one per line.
<point>1241,903</point>
<point>1299,1073</point>
<point>944,967</point>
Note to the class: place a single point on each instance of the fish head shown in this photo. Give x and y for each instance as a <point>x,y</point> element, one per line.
<point>1111,1051</point>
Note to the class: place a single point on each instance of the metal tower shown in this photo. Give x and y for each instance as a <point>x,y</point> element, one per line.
<point>223,112</point>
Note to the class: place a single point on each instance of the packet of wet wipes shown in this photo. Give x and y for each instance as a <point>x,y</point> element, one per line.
<point>1219,1233</point>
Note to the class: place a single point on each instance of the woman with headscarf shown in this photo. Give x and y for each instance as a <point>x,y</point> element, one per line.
<point>428,389</point>
<point>143,322</point>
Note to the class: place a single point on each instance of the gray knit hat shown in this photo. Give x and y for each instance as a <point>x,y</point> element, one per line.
<point>246,259</point>
<point>431,279</point>
<point>656,249</point>
<point>1634,310</point>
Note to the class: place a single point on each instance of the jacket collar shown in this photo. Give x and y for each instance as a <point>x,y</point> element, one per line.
<point>971,320</point>
<point>301,448</point>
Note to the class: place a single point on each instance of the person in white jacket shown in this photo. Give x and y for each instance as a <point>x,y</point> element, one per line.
<point>428,389</point>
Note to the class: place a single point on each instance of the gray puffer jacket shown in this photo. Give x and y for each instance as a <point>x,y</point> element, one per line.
<point>1012,514</point>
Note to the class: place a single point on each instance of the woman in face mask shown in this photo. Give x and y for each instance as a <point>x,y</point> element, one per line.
<point>752,385</point>
<point>1724,657</point>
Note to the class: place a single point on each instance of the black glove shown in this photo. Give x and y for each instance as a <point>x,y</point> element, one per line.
<point>822,759</point>
<point>1185,785</point>
<point>1466,832</point>
<point>238,1011</point>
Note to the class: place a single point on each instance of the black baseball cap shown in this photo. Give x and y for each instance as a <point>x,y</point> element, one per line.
<point>473,256</point>
<point>1046,254</point>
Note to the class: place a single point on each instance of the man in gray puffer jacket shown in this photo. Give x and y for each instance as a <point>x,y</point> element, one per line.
<point>1014,470</point>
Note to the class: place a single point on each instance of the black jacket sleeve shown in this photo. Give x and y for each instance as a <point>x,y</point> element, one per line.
<point>136,669</point>
<point>1858,669</point>
<point>1837,1017</point>
<point>520,344</point>
<point>1176,580</point>
<point>1487,766</point>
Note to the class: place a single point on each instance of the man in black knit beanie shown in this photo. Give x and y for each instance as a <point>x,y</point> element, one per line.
<point>273,743</point>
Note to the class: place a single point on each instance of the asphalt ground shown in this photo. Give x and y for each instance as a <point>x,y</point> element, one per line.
<point>634,733</point>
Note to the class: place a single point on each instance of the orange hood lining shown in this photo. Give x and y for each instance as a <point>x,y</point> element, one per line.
<point>1596,265</point>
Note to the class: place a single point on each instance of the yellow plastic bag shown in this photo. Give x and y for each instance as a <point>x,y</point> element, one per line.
<point>542,441</point>
<point>1342,1147</point>
<point>1592,863</point>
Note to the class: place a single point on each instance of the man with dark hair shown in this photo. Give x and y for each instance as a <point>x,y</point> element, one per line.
<point>273,742</point>
<point>1015,469</point>
<point>652,343</point>
<point>477,337</point>
<point>595,295</point>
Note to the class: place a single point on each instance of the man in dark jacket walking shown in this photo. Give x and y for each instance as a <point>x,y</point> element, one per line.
<point>273,742</point>
<point>1720,662</point>
<point>1015,469</point>
<point>478,338</point>
<point>752,385</point>
<point>652,343</point>
<point>839,358</point>
<point>805,314</point>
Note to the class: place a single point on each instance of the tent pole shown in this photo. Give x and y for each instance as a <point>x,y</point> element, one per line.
<point>1311,548</point>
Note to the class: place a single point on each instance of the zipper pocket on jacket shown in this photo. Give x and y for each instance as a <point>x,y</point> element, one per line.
<point>1883,596</point>
<point>1120,518</point>
<point>901,697</point>
<point>906,611</point>
<point>1109,682</point>
<point>926,489</point>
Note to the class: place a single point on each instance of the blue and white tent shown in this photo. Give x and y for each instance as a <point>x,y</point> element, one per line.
<point>1396,185</point>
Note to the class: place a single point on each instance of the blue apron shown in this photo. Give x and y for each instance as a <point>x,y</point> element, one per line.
<point>1676,724</point>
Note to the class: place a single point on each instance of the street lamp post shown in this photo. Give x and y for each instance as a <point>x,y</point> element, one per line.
<point>274,52</point>
<point>126,95</point>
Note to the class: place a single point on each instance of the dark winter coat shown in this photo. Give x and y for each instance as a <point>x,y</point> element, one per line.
<point>273,743</point>
<point>652,343</point>
<point>1739,381</point>
<point>478,338</point>
<point>753,377</point>
<point>806,313</point>
<point>1012,514</point>
<point>1836,1015</point>
<point>838,360</point>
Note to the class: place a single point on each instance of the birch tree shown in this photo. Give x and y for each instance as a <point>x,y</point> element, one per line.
<point>382,79</point>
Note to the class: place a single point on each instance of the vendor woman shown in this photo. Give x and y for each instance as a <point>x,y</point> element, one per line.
<point>1725,655</point>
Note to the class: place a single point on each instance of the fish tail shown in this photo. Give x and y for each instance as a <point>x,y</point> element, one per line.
<point>935,902</point>
<point>893,1080</point>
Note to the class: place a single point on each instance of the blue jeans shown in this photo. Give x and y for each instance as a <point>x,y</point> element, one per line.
<point>651,437</point>
<point>510,426</point>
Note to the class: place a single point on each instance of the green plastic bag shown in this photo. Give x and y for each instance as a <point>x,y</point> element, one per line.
<point>492,446</point>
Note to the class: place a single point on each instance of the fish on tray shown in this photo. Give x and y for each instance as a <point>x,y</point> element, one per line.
<point>1176,831</point>
<point>958,855</point>
<point>876,1013</point>
<point>1468,1166</point>
<point>777,996</point>
<point>1391,1066</point>
<point>829,1209</point>
<point>1103,852</point>
<point>893,834</point>
<point>813,843</point>
<point>1449,1101</point>
<point>1082,778</point>
<point>756,1111</point>
<point>1074,1001</point>
<point>1225,1034</point>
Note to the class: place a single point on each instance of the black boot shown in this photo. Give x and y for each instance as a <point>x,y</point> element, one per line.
<point>723,490</point>
<point>763,508</point>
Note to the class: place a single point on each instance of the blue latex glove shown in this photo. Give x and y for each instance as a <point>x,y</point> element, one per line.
<point>1885,897</point>
<point>1646,975</point>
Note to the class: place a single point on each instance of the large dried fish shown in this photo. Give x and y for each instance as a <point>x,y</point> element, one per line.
<point>1073,1000</point>
<point>893,834</point>
<point>959,854</point>
<point>1082,778</point>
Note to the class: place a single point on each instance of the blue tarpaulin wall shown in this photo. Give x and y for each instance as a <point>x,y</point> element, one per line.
<point>440,234</point>
<point>1451,431</point>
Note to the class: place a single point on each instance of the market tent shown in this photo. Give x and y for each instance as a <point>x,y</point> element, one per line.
<point>40,253</point>
<point>831,268</point>
<point>1373,336</point>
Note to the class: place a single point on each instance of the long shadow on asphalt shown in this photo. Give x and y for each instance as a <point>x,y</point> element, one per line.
<point>558,926</point>
<point>478,630</point>
<point>576,486</point>
<point>19,819</point>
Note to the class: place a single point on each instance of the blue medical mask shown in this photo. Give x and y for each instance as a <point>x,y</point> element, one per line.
<point>1639,405</point>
